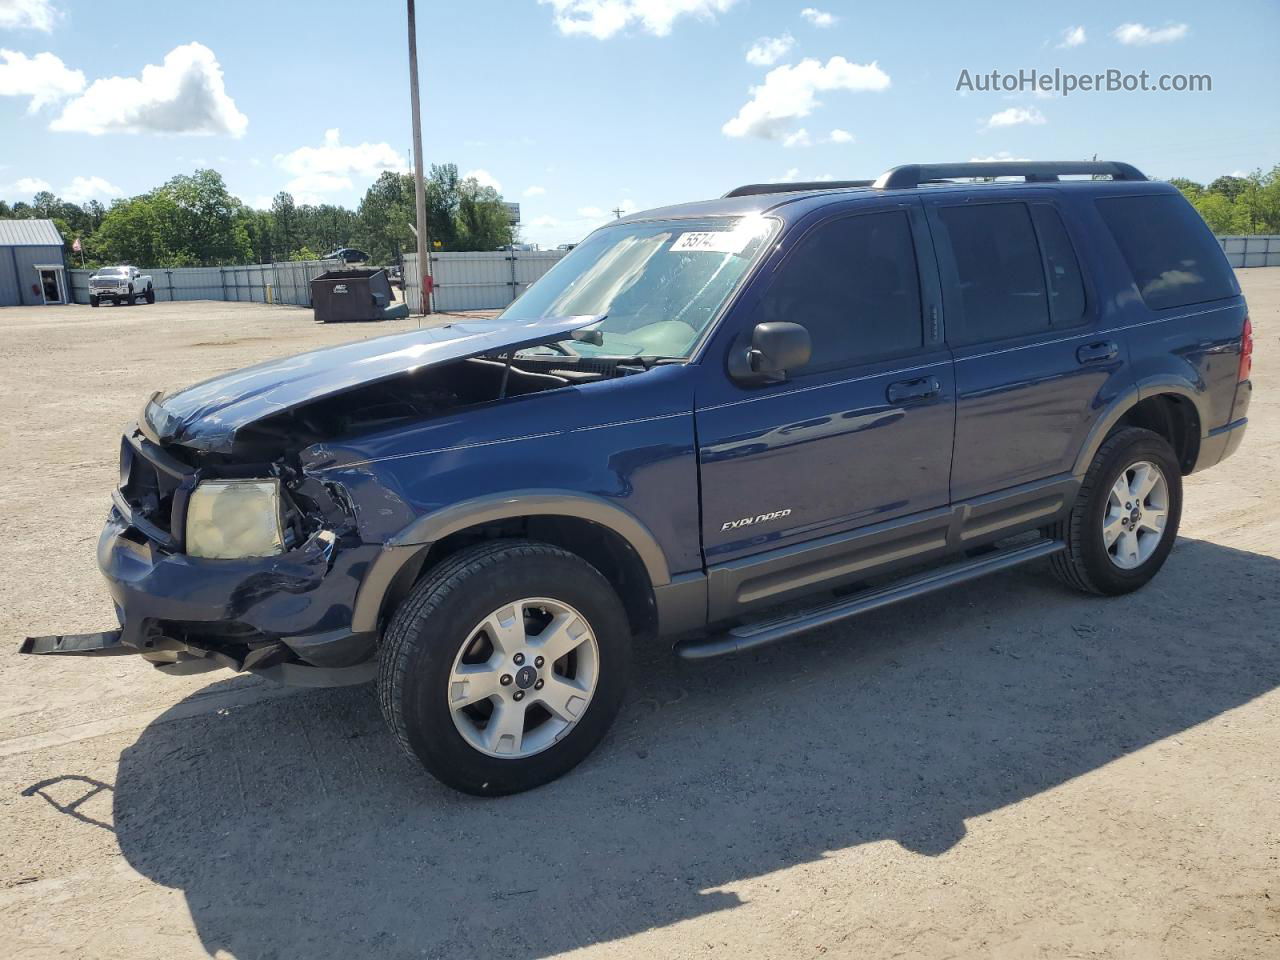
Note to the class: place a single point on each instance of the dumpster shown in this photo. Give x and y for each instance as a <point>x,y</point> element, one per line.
<point>340,295</point>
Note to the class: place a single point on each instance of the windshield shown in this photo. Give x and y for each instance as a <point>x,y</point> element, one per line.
<point>111,272</point>
<point>658,284</point>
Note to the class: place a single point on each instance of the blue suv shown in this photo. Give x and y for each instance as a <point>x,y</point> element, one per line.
<point>852,393</point>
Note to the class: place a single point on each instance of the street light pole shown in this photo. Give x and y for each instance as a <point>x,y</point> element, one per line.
<point>419,191</point>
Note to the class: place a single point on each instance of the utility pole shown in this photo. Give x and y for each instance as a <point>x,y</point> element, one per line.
<point>419,191</point>
<point>617,213</point>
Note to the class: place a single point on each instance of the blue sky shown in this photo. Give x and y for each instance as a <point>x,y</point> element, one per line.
<point>575,107</point>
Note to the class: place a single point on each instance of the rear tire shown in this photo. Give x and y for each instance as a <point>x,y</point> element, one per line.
<point>1125,518</point>
<point>150,295</point>
<point>485,613</point>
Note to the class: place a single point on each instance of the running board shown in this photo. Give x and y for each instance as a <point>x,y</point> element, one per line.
<point>762,632</point>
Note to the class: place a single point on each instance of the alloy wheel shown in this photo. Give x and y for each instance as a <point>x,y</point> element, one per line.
<point>523,678</point>
<point>1133,521</point>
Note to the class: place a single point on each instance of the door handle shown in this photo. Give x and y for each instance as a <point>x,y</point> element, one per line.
<point>907,391</point>
<point>1098,352</point>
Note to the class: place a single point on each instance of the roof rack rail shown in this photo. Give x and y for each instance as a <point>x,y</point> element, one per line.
<point>1033,171</point>
<point>757,189</point>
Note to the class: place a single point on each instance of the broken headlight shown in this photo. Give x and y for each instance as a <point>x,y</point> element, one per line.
<point>228,519</point>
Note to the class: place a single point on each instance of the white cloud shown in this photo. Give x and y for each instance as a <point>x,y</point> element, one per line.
<point>603,18</point>
<point>484,178</point>
<point>1072,37</point>
<point>1140,35</point>
<point>551,230</point>
<point>84,189</point>
<point>819,18</point>
<point>791,176</point>
<point>798,139</point>
<point>44,78</point>
<point>28,14</point>
<point>185,94</point>
<point>1014,116</point>
<point>997,156</point>
<point>790,92</point>
<point>767,51</point>
<point>840,136</point>
<point>329,168</point>
<point>534,191</point>
<point>28,186</point>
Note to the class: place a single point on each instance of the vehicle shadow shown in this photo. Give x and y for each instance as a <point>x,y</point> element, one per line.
<point>295,827</point>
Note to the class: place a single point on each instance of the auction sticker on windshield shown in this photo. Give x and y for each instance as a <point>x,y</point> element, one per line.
<point>714,241</point>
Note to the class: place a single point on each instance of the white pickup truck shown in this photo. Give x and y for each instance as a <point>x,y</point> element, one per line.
<point>120,285</point>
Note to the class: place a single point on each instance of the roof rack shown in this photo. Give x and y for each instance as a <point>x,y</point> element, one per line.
<point>756,189</point>
<point>1033,171</point>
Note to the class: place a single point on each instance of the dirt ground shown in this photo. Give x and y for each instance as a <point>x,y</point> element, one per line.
<point>1003,770</point>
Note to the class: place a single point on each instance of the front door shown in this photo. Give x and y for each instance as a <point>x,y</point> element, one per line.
<point>859,437</point>
<point>50,287</point>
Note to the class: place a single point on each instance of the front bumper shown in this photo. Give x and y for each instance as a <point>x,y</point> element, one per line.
<point>287,616</point>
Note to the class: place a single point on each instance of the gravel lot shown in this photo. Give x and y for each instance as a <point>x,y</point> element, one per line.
<point>1002,770</point>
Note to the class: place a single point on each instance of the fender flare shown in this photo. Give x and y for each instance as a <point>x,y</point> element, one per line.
<point>411,542</point>
<point>1124,402</point>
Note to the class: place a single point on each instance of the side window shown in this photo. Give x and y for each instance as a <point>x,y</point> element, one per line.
<point>998,269</point>
<point>1066,285</point>
<point>1174,258</point>
<point>854,284</point>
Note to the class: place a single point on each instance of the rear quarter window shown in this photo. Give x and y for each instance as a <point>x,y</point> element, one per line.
<point>1174,258</point>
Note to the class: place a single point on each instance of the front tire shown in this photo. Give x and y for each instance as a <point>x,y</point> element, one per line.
<point>505,666</point>
<point>93,301</point>
<point>1125,518</point>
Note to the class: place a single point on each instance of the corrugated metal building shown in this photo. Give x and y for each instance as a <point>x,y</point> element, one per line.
<point>32,271</point>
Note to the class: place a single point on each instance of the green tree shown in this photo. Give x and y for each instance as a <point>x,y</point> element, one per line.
<point>481,218</point>
<point>190,221</point>
<point>133,231</point>
<point>443,190</point>
<point>205,228</point>
<point>385,214</point>
<point>285,213</point>
<point>1228,186</point>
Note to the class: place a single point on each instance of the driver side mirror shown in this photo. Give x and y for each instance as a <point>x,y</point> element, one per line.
<point>775,349</point>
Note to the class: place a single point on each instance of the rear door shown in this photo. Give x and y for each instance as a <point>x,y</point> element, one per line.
<point>860,435</point>
<point>1022,321</point>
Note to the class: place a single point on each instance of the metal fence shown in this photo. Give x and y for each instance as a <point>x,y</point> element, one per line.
<point>477,281</point>
<point>1260,251</point>
<point>288,283</point>
<point>463,281</point>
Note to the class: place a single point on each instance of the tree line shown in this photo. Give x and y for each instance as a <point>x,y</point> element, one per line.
<point>195,221</point>
<point>1237,205</point>
<point>192,221</point>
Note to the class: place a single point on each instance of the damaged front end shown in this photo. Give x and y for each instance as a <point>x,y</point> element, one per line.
<point>226,546</point>
<point>286,615</point>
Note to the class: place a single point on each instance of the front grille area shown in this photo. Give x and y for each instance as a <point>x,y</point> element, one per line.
<point>153,487</point>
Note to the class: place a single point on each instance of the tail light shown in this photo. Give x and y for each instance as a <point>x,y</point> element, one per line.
<point>1246,350</point>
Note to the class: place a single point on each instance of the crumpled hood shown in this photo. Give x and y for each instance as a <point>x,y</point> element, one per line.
<point>207,415</point>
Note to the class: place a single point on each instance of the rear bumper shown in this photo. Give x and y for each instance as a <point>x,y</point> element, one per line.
<point>1221,443</point>
<point>287,616</point>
